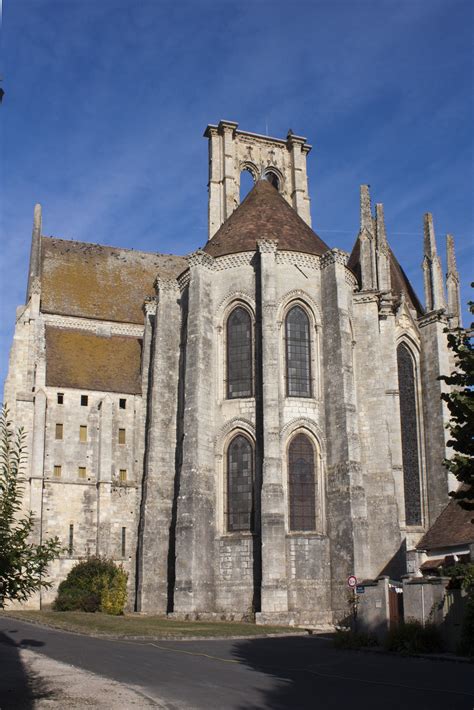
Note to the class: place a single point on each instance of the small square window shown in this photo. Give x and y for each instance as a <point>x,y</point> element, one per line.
<point>121,436</point>
<point>59,431</point>
<point>81,472</point>
<point>84,400</point>
<point>60,398</point>
<point>123,475</point>
<point>83,433</point>
<point>123,403</point>
<point>57,471</point>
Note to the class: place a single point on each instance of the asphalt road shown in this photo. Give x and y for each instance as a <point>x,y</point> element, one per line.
<point>277,673</point>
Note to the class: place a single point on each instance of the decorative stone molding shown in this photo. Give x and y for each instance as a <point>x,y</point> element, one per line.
<point>334,256</point>
<point>303,423</point>
<point>351,280</point>
<point>366,297</point>
<point>200,258</point>
<point>232,299</point>
<point>35,286</point>
<point>234,425</point>
<point>93,326</point>
<point>150,305</point>
<point>299,295</point>
<point>438,316</point>
<point>162,284</point>
<point>231,261</point>
<point>267,246</point>
<point>310,261</point>
<point>184,279</point>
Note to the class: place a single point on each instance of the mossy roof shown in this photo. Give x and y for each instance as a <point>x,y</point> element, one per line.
<point>83,360</point>
<point>93,281</point>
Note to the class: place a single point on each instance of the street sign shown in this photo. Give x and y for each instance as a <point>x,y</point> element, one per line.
<point>352,581</point>
<point>360,590</point>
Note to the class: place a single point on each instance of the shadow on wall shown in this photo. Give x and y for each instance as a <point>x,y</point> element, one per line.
<point>19,688</point>
<point>396,568</point>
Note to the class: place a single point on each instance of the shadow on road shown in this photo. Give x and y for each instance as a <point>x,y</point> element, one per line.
<point>19,688</point>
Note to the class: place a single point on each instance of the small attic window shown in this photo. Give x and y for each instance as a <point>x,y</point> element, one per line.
<point>273,179</point>
<point>123,403</point>
<point>84,400</point>
<point>60,397</point>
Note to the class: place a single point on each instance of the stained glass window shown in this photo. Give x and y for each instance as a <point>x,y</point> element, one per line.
<point>302,484</point>
<point>240,485</point>
<point>409,428</point>
<point>298,367</point>
<point>239,354</point>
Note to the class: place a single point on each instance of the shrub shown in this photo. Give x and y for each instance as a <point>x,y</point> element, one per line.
<point>97,584</point>
<point>354,639</point>
<point>413,637</point>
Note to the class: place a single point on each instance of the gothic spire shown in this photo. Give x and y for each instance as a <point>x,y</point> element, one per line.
<point>368,268</point>
<point>383,252</point>
<point>432,272</point>
<point>452,284</point>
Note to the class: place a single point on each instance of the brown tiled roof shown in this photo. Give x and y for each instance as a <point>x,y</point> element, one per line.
<point>400,282</point>
<point>452,527</point>
<point>264,214</point>
<point>93,281</point>
<point>78,359</point>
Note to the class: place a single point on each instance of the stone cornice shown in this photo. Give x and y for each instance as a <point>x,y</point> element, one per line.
<point>267,246</point>
<point>438,316</point>
<point>334,256</point>
<point>95,326</point>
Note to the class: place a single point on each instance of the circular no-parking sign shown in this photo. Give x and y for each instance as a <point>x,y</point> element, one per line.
<point>352,581</point>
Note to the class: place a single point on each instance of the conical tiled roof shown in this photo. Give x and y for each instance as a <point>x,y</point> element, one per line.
<point>264,214</point>
<point>400,282</point>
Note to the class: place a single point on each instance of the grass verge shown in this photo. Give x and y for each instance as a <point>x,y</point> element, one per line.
<point>143,626</point>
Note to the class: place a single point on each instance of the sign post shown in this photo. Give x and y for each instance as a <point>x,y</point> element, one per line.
<point>354,600</point>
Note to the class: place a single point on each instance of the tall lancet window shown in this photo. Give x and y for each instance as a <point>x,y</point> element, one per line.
<point>302,484</point>
<point>239,354</point>
<point>240,485</point>
<point>410,435</point>
<point>298,353</point>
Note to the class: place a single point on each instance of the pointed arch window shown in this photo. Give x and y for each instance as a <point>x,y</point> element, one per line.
<point>302,484</point>
<point>239,354</point>
<point>410,435</point>
<point>240,484</point>
<point>298,353</point>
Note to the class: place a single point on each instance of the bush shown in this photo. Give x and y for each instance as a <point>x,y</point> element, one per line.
<point>413,637</point>
<point>97,584</point>
<point>354,639</point>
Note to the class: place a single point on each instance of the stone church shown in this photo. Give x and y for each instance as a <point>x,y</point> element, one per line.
<point>245,426</point>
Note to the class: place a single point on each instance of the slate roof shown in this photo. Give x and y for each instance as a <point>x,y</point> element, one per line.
<point>452,527</point>
<point>400,282</point>
<point>93,281</point>
<point>264,214</point>
<point>83,360</point>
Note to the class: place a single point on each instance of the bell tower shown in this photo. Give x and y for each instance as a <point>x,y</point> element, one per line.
<point>282,162</point>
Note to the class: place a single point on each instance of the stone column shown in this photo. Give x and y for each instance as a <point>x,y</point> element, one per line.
<point>195,527</point>
<point>299,149</point>
<point>160,459</point>
<point>274,581</point>
<point>37,461</point>
<point>104,477</point>
<point>346,503</point>
<point>435,361</point>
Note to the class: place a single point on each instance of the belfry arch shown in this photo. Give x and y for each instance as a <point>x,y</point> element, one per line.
<point>281,162</point>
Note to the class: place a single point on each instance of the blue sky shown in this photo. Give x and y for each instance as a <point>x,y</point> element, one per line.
<point>106,102</point>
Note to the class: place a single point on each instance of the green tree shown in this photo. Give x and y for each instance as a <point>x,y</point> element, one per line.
<point>22,563</point>
<point>461,406</point>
